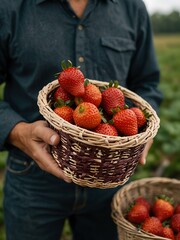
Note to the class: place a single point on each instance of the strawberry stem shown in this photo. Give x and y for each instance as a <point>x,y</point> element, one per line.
<point>81,109</point>
<point>86,82</point>
<point>166,198</point>
<point>111,122</point>
<point>65,65</point>
<point>56,74</point>
<point>69,64</point>
<point>116,83</point>
<point>111,83</point>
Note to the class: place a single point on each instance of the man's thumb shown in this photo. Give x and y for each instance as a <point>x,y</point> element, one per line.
<point>54,139</point>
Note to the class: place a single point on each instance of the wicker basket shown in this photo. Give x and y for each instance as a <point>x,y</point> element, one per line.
<point>92,159</point>
<point>148,188</point>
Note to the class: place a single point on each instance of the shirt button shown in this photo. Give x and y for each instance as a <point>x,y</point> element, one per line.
<point>80,27</point>
<point>81,59</point>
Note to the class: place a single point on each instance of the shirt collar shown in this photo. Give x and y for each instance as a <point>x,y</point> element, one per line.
<point>40,1</point>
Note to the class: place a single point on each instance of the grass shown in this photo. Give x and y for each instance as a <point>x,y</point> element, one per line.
<point>168,52</point>
<point>163,158</point>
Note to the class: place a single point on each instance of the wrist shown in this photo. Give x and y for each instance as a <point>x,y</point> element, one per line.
<point>17,133</point>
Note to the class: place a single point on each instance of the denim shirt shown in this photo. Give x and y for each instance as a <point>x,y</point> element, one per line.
<point>112,41</point>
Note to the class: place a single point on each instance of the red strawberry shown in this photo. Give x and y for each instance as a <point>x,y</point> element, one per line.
<point>61,96</point>
<point>167,232</point>
<point>112,99</point>
<point>144,202</point>
<point>163,208</point>
<point>92,94</point>
<point>72,80</point>
<point>175,222</point>
<point>141,118</point>
<point>107,129</point>
<point>178,236</point>
<point>177,209</point>
<point>125,121</point>
<point>87,115</point>
<point>65,112</point>
<point>152,225</point>
<point>138,213</point>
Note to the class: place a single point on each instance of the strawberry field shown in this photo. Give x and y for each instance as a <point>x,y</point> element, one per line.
<point>163,158</point>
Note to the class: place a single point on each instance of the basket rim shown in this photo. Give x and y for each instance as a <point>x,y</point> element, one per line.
<point>144,182</point>
<point>91,137</point>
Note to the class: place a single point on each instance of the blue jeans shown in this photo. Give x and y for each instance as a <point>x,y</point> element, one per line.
<point>36,205</point>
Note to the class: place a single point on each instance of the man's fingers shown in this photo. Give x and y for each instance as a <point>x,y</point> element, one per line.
<point>45,134</point>
<point>49,165</point>
<point>145,152</point>
<point>53,168</point>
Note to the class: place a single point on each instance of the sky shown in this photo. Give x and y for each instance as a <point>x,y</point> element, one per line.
<point>164,6</point>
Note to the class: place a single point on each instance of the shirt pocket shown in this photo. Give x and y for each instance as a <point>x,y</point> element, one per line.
<point>19,166</point>
<point>115,55</point>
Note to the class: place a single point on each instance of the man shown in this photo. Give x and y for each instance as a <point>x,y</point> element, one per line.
<point>109,39</point>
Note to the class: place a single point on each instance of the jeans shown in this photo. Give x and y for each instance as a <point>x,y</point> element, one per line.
<point>36,205</point>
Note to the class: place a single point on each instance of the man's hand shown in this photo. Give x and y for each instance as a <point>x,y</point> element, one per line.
<point>34,139</point>
<point>145,152</point>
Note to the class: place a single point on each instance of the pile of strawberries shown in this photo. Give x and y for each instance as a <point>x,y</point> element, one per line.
<point>160,217</point>
<point>102,110</point>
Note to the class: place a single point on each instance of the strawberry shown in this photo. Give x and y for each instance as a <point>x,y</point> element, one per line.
<point>177,208</point>
<point>144,202</point>
<point>137,214</point>
<point>163,208</point>
<point>92,94</point>
<point>125,121</point>
<point>61,96</point>
<point>152,225</point>
<point>175,222</point>
<point>107,129</point>
<point>167,232</point>
<point>141,118</point>
<point>112,99</point>
<point>65,112</point>
<point>87,115</point>
<point>178,236</point>
<point>72,79</point>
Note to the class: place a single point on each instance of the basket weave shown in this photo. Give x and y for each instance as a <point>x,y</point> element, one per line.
<point>93,159</point>
<point>148,188</point>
